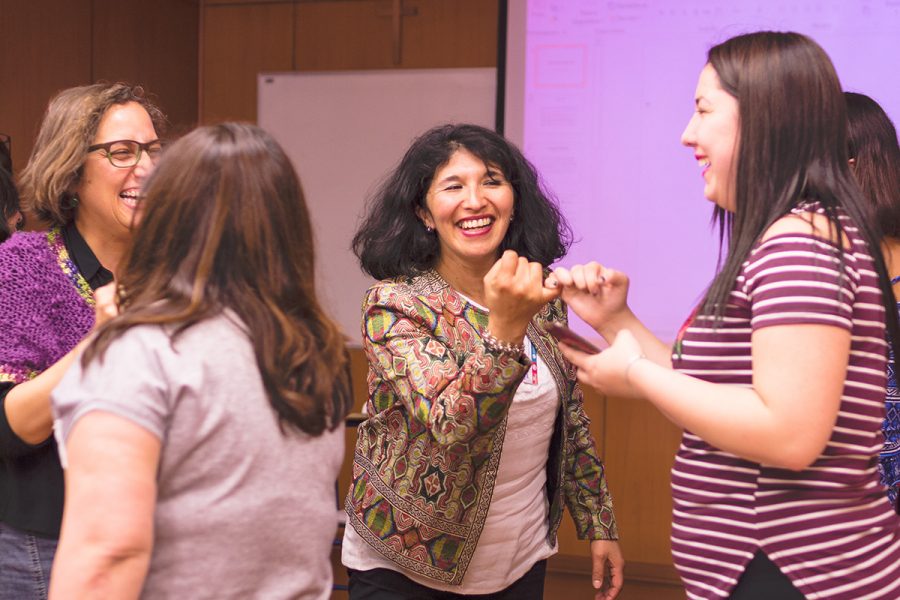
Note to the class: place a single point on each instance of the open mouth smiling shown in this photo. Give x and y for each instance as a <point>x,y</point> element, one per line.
<point>476,223</point>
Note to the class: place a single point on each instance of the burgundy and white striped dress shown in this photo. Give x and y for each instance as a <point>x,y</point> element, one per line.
<point>830,527</point>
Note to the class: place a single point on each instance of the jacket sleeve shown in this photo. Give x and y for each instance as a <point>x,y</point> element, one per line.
<point>436,365</point>
<point>584,476</point>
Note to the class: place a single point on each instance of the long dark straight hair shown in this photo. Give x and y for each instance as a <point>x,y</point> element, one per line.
<point>792,149</point>
<point>875,152</point>
<point>225,225</point>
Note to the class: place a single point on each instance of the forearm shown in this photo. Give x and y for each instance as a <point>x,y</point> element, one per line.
<point>731,418</point>
<point>28,404</point>
<point>86,569</point>
<point>654,348</point>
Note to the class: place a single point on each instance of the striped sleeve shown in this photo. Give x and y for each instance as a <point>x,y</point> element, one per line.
<point>795,278</point>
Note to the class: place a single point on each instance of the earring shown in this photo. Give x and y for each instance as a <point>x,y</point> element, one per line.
<point>70,202</point>
<point>429,229</point>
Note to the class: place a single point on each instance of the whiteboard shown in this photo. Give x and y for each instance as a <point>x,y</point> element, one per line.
<point>344,131</point>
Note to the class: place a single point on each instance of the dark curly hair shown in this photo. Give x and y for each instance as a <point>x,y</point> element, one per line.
<point>392,242</point>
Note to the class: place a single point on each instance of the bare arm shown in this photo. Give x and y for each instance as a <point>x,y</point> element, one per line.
<point>28,404</point>
<point>107,531</point>
<point>787,415</point>
<point>785,419</point>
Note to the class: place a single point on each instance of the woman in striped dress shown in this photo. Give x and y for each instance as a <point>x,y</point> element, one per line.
<point>778,377</point>
<point>875,161</point>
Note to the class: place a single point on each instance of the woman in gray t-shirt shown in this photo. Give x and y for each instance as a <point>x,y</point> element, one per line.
<point>202,429</point>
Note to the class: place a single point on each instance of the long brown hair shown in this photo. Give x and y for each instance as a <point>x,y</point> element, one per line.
<point>874,148</point>
<point>225,225</point>
<point>792,149</point>
<point>68,129</point>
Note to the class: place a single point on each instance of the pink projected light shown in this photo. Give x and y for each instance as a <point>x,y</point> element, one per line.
<point>598,94</point>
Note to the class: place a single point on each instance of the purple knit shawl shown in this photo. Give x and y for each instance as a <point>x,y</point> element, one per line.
<point>46,306</point>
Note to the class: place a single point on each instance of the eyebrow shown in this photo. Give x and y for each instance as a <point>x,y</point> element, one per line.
<point>491,173</point>
<point>449,179</point>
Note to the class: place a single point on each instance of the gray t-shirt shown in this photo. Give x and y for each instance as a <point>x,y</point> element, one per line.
<point>243,510</point>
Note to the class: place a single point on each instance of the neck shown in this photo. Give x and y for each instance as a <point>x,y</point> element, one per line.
<point>109,249</point>
<point>465,278</point>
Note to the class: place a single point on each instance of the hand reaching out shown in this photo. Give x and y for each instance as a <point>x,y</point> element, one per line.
<point>596,293</point>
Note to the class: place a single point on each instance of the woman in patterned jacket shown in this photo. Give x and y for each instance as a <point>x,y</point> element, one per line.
<point>476,434</point>
<point>778,378</point>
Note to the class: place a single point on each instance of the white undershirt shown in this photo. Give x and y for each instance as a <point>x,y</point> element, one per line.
<point>514,537</point>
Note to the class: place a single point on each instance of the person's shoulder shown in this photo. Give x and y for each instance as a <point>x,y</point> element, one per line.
<point>405,287</point>
<point>804,221</point>
<point>25,253</point>
<point>26,241</point>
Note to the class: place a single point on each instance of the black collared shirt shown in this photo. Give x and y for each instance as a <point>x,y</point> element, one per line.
<point>90,268</point>
<point>31,479</point>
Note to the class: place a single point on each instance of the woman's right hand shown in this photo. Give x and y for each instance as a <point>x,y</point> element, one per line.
<point>105,306</point>
<point>596,293</point>
<point>514,292</point>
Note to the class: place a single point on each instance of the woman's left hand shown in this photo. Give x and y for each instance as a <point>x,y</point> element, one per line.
<point>608,371</point>
<point>607,575</point>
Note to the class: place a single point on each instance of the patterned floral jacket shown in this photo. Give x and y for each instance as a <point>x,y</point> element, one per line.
<point>427,457</point>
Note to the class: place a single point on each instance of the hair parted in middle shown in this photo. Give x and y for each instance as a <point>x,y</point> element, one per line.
<point>60,150</point>
<point>225,225</point>
<point>875,152</point>
<point>392,241</point>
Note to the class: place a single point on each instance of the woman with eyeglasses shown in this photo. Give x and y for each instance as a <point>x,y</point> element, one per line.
<point>96,145</point>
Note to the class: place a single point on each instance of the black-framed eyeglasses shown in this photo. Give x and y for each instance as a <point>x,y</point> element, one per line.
<point>127,153</point>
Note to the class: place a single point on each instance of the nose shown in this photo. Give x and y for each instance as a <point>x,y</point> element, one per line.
<point>144,165</point>
<point>474,197</point>
<point>688,136</point>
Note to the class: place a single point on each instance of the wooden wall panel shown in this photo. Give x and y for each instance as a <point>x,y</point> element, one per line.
<point>343,35</point>
<point>155,44</point>
<point>45,46</point>
<point>450,33</point>
<point>238,42</point>
<point>640,449</point>
<point>50,45</point>
<point>359,34</point>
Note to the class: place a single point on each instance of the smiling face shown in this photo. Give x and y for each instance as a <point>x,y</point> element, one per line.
<point>469,205</point>
<point>108,196</point>
<point>713,133</point>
